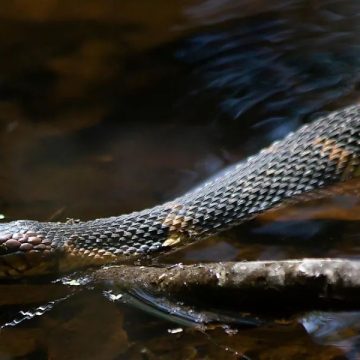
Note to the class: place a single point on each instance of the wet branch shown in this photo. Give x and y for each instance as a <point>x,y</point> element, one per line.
<point>253,284</point>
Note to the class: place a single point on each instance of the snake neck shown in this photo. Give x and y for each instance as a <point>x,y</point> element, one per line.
<point>317,156</point>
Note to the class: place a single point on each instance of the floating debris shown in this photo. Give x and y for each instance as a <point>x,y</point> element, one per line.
<point>175,331</point>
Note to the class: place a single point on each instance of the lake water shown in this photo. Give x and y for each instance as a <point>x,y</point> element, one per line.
<point>108,107</point>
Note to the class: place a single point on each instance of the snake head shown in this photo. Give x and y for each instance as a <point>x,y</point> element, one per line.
<point>25,250</point>
<point>31,248</point>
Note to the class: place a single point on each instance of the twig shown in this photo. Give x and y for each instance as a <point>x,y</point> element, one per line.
<point>257,284</point>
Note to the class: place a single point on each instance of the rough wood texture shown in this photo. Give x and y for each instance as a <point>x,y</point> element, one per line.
<point>258,284</point>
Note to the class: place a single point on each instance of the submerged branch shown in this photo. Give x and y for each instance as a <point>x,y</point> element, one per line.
<point>254,284</point>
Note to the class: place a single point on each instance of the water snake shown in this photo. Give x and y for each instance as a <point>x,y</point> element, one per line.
<point>319,155</point>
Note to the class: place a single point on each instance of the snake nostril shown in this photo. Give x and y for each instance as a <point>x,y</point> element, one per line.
<point>9,245</point>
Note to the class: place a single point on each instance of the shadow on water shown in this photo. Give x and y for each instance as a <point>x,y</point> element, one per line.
<point>109,107</point>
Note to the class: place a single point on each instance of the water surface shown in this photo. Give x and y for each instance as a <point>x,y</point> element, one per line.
<point>110,107</point>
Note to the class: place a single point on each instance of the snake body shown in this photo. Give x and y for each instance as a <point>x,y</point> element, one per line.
<point>323,153</point>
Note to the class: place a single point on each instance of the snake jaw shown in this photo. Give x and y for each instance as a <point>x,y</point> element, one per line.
<point>19,264</point>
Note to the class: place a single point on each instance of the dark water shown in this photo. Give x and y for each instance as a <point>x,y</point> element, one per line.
<point>108,107</point>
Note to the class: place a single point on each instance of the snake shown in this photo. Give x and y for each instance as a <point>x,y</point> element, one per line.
<point>319,156</point>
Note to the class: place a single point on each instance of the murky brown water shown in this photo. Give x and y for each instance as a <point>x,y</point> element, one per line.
<point>108,107</point>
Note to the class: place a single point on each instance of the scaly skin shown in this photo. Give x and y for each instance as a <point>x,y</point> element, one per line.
<point>317,156</point>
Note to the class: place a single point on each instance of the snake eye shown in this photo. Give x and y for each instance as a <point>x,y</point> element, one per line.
<point>3,249</point>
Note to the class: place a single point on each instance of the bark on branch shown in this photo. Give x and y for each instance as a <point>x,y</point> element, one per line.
<point>254,284</point>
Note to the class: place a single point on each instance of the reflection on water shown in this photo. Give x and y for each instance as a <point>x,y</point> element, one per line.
<point>273,70</point>
<point>25,315</point>
<point>108,107</point>
<point>340,329</point>
<point>209,12</point>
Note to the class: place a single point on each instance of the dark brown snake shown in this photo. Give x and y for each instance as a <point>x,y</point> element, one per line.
<point>317,156</point>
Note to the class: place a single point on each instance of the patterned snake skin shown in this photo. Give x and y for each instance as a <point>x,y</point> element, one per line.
<point>318,155</point>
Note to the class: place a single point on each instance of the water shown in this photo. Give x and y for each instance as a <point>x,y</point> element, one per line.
<point>109,107</point>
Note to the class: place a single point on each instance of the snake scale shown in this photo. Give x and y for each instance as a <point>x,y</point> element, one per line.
<point>319,155</point>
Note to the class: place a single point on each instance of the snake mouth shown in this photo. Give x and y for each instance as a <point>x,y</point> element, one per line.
<point>20,264</point>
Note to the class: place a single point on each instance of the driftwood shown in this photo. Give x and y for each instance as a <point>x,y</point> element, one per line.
<point>260,285</point>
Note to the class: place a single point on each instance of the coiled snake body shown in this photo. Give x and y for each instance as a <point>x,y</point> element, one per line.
<point>323,153</point>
